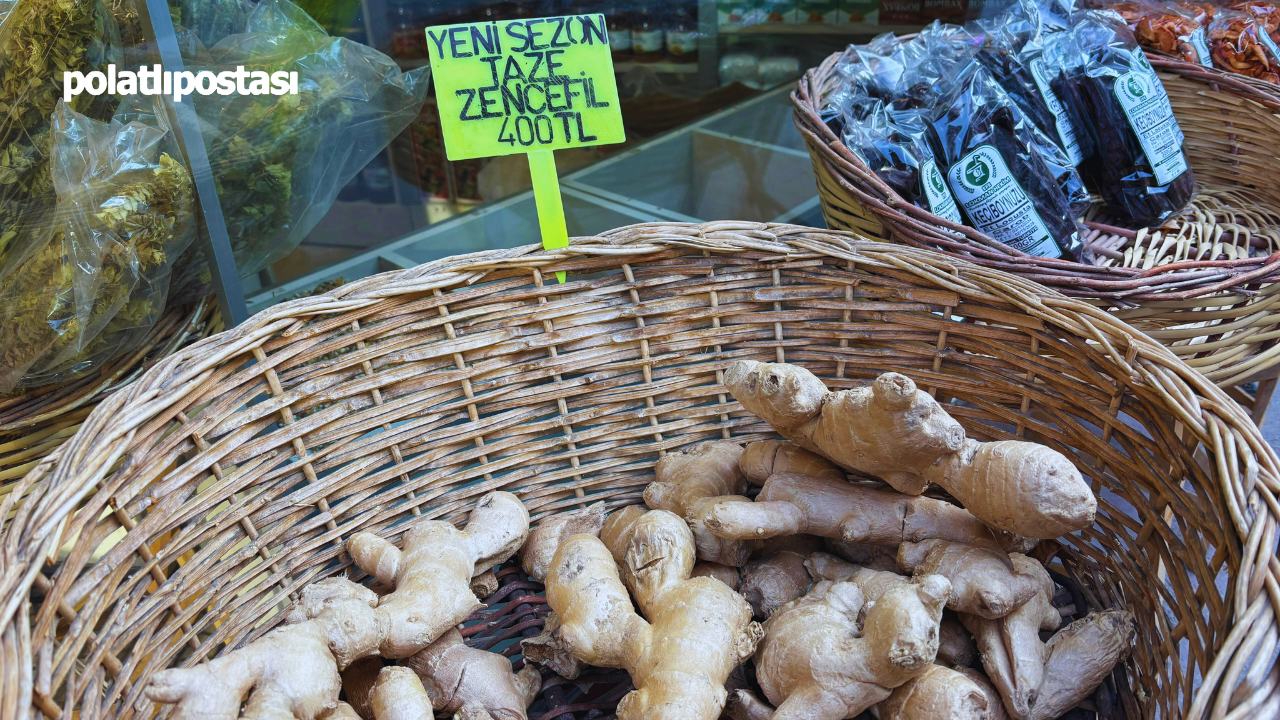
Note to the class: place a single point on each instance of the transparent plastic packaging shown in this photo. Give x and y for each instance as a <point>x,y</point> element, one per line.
<point>998,174</point>
<point>1238,43</point>
<point>893,145</point>
<point>98,282</point>
<point>280,160</point>
<point>1138,167</point>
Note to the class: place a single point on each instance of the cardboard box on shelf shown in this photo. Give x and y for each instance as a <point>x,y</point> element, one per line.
<point>944,10</point>
<point>777,12</point>
<point>817,12</point>
<point>859,11</point>
<point>732,13</point>
<point>900,12</point>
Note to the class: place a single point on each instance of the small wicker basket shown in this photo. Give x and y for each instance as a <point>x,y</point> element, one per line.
<point>1219,316</point>
<point>196,502</point>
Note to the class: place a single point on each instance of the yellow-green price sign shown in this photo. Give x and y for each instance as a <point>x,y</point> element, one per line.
<point>527,86</point>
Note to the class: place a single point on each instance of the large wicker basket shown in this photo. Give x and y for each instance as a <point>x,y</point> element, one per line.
<point>1219,316</point>
<point>194,503</point>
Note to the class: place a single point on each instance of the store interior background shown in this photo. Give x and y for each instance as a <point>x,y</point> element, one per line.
<point>678,63</point>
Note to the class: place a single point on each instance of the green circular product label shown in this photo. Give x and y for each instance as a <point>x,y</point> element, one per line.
<point>977,172</point>
<point>935,179</point>
<point>1137,87</point>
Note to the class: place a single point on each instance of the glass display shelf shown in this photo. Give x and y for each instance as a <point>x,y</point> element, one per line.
<point>744,163</point>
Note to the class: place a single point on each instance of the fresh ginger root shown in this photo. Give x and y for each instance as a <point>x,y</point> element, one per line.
<point>799,504</point>
<point>293,671</point>
<point>763,459</point>
<point>697,629</point>
<point>984,582</point>
<point>939,693</point>
<point>536,554</point>
<point>688,483</point>
<point>815,664</point>
<point>730,576</point>
<point>956,648</point>
<point>1021,487</point>
<point>779,575</point>
<point>1038,680</point>
<point>398,695</point>
<point>473,683</point>
<point>890,430</point>
<point>432,573</point>
<point>904,437</point>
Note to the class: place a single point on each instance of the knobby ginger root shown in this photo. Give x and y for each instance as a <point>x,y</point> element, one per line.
<point>799,504</point>
<point>536,554</point>
<point>903,436</point>
<point>697,629</point>
<point>688,483</point>
<point>398,695</point>
<point>876,557</point>
<point>473,683</point>
<point>778,575</point>
<point>1020,487</point>
<point>730,576</point>
<point>357,684</point>
<point>292,671</point>
<point>432,573</point>
<point>765,458</point>
<point>814,664</point>
<point>984,582</point>
<point>939,693</point>
<point>1038,680</point>
<point>890,430</point>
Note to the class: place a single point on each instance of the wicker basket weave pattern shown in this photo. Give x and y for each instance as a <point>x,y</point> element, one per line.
<point>1217,315</point>
<point>196,502</point>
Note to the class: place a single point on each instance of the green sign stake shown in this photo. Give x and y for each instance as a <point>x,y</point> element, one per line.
<point>527,86</point>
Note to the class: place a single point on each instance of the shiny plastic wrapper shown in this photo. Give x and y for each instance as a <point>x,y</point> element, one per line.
<point>97,283</point>
<point>1238,44</point>
<point>998,176</point>
<point>280,160</point>
<point>894,147</point>
<point>1138,166</point>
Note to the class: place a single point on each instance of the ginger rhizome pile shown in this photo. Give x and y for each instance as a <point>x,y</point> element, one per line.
<point>690,631</point>
<point>903,436</point>
<point>817,662</point>
<point>293,670</point>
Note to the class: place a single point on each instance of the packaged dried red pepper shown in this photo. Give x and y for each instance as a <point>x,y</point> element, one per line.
<point>999,179</point>
<point>1138,165</point>
<point>1238,44</point>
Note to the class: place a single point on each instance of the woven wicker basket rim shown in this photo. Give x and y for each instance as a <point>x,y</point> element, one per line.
<point>62,481</point>
<point>1178,281</point>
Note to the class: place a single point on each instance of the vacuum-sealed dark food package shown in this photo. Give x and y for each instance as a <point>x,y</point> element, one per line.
<point>1138,167</point>
<point>998,178</point>
<point>903,160</point>
<point>947,48</point>
<point>1238,44</point>
<point>1025,77</point>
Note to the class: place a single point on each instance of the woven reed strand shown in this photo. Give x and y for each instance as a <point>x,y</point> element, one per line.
<point>1231,132</point>
<point>221,482</point>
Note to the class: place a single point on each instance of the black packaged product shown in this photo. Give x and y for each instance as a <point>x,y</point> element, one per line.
<point>903,160</point>
<point>1138,166</point>
<point>1000,180</point>
<point>1031,91</point>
